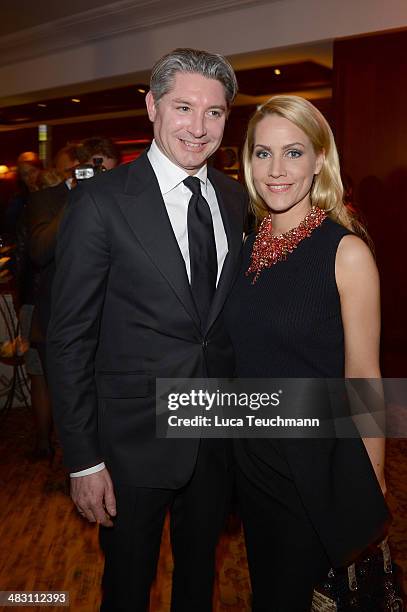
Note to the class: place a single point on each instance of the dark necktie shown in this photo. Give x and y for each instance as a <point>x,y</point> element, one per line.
<point>202,249</point>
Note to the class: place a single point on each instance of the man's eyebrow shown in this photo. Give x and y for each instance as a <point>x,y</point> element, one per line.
<point>190,103</point>
<point>182,101</point>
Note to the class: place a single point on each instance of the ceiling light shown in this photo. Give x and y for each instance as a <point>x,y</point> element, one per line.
<point>141,90</point>
<point>41,105</point>
<point>76,100</point>
<point>277,71</point>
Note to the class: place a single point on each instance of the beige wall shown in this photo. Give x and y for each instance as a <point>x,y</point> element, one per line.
<point>263,25</point>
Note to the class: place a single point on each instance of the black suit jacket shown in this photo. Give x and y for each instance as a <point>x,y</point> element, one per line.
<point>123,314</point>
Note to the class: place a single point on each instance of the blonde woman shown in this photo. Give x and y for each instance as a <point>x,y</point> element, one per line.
<point>306,305</point>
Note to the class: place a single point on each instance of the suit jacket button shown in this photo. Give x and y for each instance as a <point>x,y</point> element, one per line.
<point>204,344</point>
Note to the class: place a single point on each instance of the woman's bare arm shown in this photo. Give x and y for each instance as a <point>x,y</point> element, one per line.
<point>359,289</point>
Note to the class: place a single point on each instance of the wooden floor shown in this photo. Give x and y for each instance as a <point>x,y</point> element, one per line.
<point>45,545</point>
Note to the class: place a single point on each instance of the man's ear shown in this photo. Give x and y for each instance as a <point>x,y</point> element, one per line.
<point>151,109</point>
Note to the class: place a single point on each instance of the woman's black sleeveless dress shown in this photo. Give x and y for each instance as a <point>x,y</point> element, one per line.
<point>307,505</point>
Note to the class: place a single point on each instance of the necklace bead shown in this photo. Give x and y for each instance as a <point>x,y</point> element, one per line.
<point>269,249</point>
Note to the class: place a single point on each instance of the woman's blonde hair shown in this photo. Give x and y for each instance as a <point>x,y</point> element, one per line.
<point>327,190</point>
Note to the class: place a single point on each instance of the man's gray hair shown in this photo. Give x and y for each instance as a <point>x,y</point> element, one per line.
<point>209,65</point>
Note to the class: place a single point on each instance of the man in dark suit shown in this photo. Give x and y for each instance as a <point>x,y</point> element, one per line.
<point>146,256</point>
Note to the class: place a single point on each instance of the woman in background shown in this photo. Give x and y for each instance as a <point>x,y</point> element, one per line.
<point>305,305</point>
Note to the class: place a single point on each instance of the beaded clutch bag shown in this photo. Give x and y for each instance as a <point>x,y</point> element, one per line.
<point>371,584</point>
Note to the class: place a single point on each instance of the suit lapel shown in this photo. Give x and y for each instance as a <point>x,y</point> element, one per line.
<point>144,209</point>
<point>232,221</point>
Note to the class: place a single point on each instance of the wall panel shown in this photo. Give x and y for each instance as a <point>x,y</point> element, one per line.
<point>370,113</point>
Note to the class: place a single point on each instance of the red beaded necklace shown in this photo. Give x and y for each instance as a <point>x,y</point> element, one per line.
<point>269,249</point>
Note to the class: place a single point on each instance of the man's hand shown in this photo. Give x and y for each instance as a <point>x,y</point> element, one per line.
<point>94,498</point>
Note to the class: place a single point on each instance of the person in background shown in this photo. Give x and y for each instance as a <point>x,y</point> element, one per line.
<point>36,239</point>
<point>29,172</point>
<point>29,168</point>
<point>146,256</point>
<point>97,148</point>
<point>44,213</point>
<point>65,161</point>
<point>305,305</point>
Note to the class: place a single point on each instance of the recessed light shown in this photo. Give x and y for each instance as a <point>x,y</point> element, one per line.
<point>141,90</point>
<point>76,100</point>
<point>41,105</point>
<point>277,71</point>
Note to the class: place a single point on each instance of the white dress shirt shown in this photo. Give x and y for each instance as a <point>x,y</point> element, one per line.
<point>176,198</point>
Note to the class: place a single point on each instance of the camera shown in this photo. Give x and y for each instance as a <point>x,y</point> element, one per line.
<point>86,171</point>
